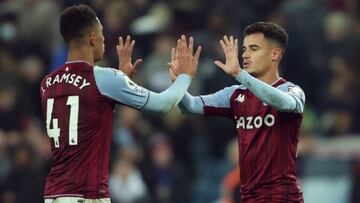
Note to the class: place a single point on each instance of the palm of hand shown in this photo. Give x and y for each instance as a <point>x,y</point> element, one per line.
<point>230,48</point>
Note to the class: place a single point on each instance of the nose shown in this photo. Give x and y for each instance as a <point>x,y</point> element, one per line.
<point>245,54</point>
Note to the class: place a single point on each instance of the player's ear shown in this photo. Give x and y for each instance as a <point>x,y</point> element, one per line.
<point>276,54</point>
<point>92,38</point>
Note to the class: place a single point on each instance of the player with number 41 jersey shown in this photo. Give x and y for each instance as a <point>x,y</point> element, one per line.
<point>78,102</point>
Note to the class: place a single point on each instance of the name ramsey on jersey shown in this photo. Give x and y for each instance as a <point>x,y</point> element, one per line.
<point>73,79</point>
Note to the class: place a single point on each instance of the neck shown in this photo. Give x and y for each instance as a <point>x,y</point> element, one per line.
<point>270,77</point>
<point>80,54</point>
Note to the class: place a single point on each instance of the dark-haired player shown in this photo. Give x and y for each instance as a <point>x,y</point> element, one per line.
<point>266,109</point>
<point>78,103</point>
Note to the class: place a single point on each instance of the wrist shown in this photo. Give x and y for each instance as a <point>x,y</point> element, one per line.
<point>236,72</point>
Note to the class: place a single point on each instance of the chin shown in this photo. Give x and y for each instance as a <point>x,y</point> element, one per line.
<point>250,71</point>
<point>98,59</point>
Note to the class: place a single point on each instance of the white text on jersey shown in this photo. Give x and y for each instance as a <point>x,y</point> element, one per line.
<point>73,79</point>
<point>251,122</point>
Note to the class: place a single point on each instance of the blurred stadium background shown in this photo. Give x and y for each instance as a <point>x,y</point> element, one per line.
<point>179,159</point>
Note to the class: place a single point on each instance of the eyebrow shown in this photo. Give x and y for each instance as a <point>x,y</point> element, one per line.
<point>253,46</point>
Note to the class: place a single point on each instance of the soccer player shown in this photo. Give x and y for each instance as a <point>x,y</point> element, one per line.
<point>266,109</point>
<point>78,103</point>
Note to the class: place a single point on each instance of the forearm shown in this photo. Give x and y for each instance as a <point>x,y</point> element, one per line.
<point>191,105</point>
<point>165,101</point>
<point>268,94</point>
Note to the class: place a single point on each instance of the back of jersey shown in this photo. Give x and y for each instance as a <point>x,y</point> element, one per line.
<point>79,122</point>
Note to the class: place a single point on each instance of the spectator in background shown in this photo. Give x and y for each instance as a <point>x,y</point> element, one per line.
<point>126,184</point>
<point>18,187</point>
<point>230,185</point>
<point>166,178</point>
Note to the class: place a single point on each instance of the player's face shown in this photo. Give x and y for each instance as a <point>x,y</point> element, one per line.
<point>257,54</point>
<point>99,46</point>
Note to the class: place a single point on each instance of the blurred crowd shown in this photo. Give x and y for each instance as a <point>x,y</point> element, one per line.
<point>174,158</point>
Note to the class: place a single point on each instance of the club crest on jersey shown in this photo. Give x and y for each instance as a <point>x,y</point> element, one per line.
<point>240,98</point>
<point>296,90</point>
<point>251,122</point>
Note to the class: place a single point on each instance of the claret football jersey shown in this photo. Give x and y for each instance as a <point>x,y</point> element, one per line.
<point>267,140</point>
<point>79,116</point>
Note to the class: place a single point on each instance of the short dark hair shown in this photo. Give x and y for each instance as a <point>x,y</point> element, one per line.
<point>270,30</point>
<point>75,21</point>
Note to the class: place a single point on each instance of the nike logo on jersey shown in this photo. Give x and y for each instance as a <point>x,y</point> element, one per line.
<point>251,122</point>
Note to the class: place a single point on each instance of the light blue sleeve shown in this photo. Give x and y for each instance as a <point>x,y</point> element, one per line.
<point>217,103</point>
<point>165,101</point>
<point>117,86</point>
<point>285,98</point>
<point>191,105</point>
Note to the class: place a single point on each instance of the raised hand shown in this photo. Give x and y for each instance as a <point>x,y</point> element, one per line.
<point>183,60</point>
<point>124,51</point>
<point>231,50</point>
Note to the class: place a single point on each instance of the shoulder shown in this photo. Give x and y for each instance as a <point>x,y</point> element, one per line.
<point>292,89</point>
<point>233,88</point>
<point>107,71</point>
<point>107,74</point>
<point>287,85</point>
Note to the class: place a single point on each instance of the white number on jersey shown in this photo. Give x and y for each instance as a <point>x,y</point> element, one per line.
<point>73,102</point>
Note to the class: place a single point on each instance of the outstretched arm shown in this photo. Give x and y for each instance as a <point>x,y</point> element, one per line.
<point>290,99</point>
<point>216,104</point>
<point>117,86</point>
<point>191,105</point>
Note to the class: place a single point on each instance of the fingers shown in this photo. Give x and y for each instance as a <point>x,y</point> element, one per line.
<point>191,45</point>
<point>183,45</point>
<point>171,67</point>
<point>197,54</point>
<point>236,47</point>
<point>121,42</point>
<point>131,46</point>
<point>231,44</point>
<point>226,40</point>
<point>125,48</point>
<point>223,46</point>
<point>173,54</point>
<point>137,63</point>
<point>220,65</point>
<point>127,42</point>
<point>178,47</point>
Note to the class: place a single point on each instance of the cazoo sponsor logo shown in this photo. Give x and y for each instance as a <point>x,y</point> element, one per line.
<point>251,122</point>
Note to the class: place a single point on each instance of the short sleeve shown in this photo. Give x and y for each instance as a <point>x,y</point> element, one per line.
<point>120,88</point>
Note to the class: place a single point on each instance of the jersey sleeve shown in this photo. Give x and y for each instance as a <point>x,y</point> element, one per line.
<point>216,104</point>
<point>297,93</point>
<point>164,102</point>
<point>117,86</point>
